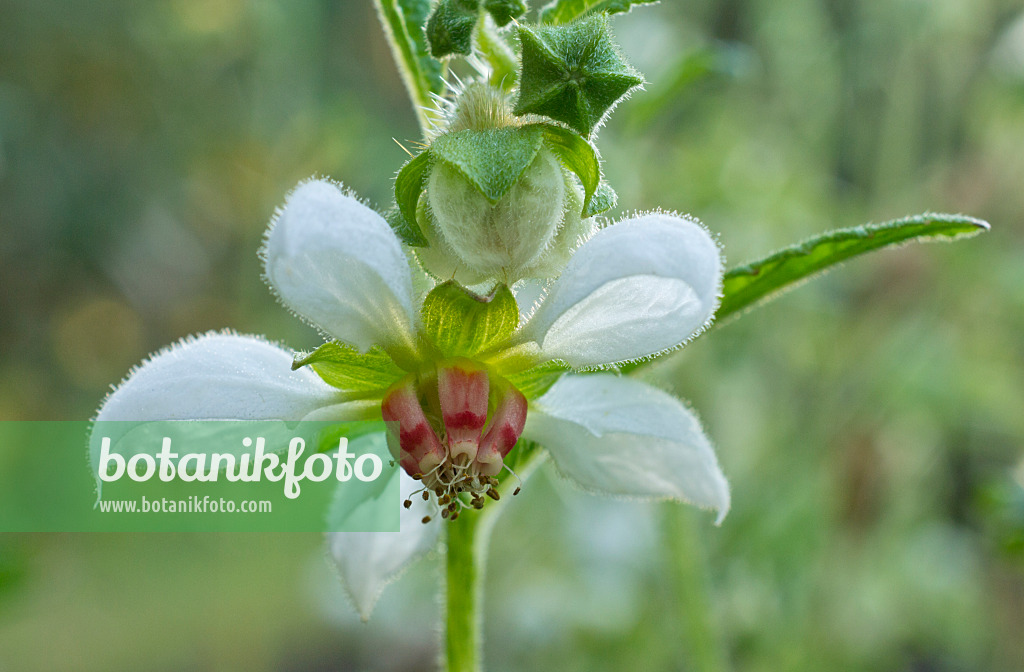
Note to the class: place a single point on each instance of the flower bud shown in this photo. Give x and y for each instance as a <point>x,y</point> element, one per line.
<point>572,232</point>
<point>503,238</point>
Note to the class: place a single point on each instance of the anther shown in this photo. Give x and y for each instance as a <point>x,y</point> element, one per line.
<point>493,494</point>
<point>426,519</point>
<point>407,503</point>
<point>426,495</point>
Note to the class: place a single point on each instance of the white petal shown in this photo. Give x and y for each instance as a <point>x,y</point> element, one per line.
<point>219,377</point>
<point>336,263</point>
<point>369,561</point>
<point>636,288</point>
<point>619,436</point>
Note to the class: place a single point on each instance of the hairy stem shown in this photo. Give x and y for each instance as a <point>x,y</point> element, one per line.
<point>464,575</point>
<point>468,540</point>
<point>499,56</point>
<point>688,573</point>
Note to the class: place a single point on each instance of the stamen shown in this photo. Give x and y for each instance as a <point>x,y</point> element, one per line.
<point>518,480</point>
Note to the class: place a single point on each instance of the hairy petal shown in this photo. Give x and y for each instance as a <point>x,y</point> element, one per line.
<point>337,263</point>
<point>368,561</point>
<point>220,376</point>
<point>637,288</point>
<point>619,436</point>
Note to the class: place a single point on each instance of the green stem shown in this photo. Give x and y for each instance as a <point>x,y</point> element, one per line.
<point>498,55</point>
<point>465,570</point>
<point>468,539</point>
<point>689,575</point>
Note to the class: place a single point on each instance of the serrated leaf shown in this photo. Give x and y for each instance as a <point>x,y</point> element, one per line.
<point>564,11</point>
<point>408,187</point>
<point>348,369</point>
<point>535,381</point>
<point>604,200</point>
<point>752,283</point>
<point>450,27</point>
<point>493,160</point>
<point>576,154</point>
<point>462,324</point>
<point>403,22</point>
<point>503,11</point>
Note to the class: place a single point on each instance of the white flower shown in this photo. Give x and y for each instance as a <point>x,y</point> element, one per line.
<point>635,289</point>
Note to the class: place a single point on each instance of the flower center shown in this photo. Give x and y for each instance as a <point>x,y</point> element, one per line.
<point>453,428</point>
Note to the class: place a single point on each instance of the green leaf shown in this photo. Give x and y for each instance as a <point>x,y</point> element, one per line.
<point>493,159</point>
<point>403,22</point>
<point>577,155</point>
<point>463,324</point>
<point>564,11</point>
<point>408,187</point>
<point>756,282</point>
<point>535,381</point>
<point>450,27</point>
<point>503,11</point>
<point>573,73</point>
<point>604,200</point>
<point>348,369</point>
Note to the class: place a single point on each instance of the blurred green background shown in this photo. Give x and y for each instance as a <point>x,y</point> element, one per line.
<point>871,423</point>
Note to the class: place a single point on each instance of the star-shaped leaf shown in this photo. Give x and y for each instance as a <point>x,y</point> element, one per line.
<point>573,73</point>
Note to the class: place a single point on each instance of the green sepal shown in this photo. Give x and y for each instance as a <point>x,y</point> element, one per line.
<point>462,323</point>
<point>408,187</point>
<point>576,154</point>
<point>573,73</point>
<point>564,11</point>
<point>493,159</point>
<point>537,380</point>
<point>503,11</point>
<point>604,200</point>
<point>450,27</point>
<point>761,280</point>
<point>346,368</point>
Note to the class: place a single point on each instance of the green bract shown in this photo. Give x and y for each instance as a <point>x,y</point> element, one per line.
<point>573,73</point>
<point>461,323</point>
<point>452,24</point>
<point>450,27</point>
<point>345,367</point>
<point>503,11</point>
